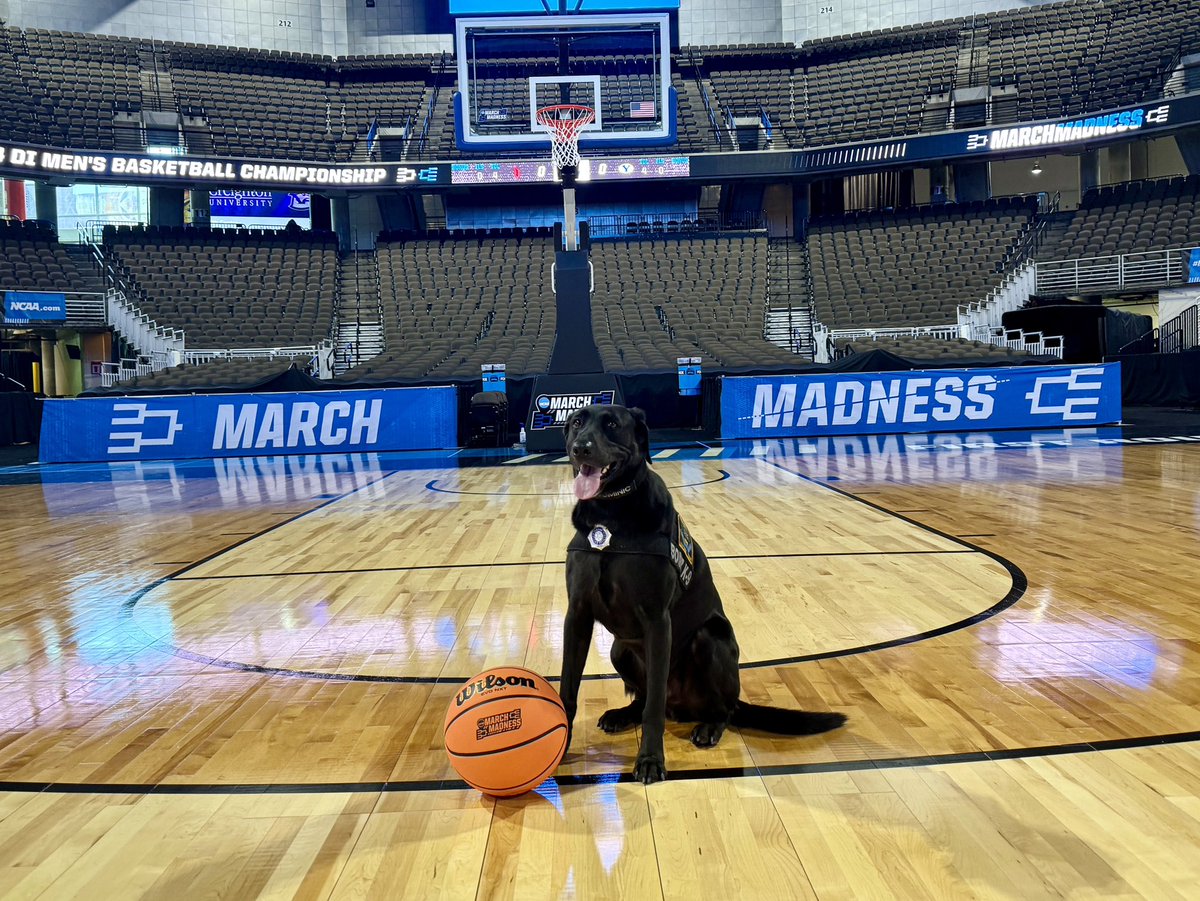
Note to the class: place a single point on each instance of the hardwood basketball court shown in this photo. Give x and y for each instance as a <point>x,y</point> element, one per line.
<point>227,678</point>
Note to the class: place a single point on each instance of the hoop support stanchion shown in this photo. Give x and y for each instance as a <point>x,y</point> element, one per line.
<point>565,122</point>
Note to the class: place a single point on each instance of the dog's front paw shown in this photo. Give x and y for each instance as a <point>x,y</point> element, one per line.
<point>706,735</point>
<point>618,720</point>
<point>649,768</point>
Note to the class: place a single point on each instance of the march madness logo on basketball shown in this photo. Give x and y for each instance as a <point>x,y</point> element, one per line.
<point>491,683</point>
<point>498,724</point>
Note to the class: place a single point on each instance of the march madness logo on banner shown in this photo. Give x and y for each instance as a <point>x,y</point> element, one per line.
<point>551,410</point>
<point>938,401</point>
<point>216,425</point>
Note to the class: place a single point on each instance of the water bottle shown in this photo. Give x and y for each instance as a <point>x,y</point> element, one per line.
<point>521,441</point>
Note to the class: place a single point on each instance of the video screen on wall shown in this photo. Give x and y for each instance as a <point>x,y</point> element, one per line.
<point>84,210</point>
<point>259,209</point>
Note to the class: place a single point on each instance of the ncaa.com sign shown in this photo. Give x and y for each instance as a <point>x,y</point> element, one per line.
<point>1023,397</point>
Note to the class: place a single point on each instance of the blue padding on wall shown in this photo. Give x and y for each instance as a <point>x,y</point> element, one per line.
<point>233,425</point>
<point>941,400</point>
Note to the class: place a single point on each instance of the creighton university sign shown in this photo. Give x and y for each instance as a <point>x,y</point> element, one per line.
<point>1030,397</point>
<point>232,425</point>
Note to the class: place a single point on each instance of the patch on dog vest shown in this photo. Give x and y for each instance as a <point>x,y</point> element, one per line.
<point>678,546</point>
<point>599,538</point>
<point>683,551</point>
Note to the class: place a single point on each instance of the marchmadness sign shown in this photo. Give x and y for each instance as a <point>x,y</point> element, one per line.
<point>1029,397</point>
<point>235,425</point>
<point>550,411</point>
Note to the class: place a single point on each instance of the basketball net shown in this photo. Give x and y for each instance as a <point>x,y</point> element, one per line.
<point>565,123</point>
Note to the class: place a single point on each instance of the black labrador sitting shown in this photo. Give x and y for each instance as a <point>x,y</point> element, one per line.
<point>634,568</point>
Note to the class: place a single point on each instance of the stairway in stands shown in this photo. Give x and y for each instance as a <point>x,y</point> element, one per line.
<point>789,322</point>
<point>972,62</point>
<point>358,334</point>
<point>158,90</point>
<point>91,281</point>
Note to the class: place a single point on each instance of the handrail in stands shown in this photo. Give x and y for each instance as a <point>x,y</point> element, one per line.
<point>437,88</point>
<point>1149,339</point>
<point>644,225</point>
<point>714,124</point>
<point>1146,269</point>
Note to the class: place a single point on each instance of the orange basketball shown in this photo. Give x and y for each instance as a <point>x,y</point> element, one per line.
<point>506,731</point>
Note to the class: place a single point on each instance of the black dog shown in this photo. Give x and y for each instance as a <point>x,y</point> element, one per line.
<point>634,568</point>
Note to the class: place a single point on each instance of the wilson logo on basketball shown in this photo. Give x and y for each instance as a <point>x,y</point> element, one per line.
<point>498,724</point>
<point>489,683</point>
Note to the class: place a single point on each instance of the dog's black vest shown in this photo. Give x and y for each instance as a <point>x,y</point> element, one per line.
<point>678,547</point>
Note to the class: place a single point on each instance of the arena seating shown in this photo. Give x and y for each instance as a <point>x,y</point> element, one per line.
<point>78,81</point>
<point>1148,215</point>
<point>451,306</point>
<point>872,91</point>
<point>1063,58</point>
<point>911,268</point>
<point>251,100</point>
<point>1064,37</point>
<point>678,297</point>
<point>231,289</point>
<point>31,259</point>
<point>923,347</point>
<point>1141,39</point>
<point>760,92</point>
<point>696,134</point>
<point>24,119</point>
<point>213,374</point>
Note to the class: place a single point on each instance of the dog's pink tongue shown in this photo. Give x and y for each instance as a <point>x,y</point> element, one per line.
<point>587,483</point>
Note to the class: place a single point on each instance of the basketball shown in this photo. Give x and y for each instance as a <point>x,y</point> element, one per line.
<point>506,731</point>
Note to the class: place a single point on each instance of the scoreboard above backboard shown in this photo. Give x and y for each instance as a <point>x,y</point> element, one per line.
<point>544,7</point>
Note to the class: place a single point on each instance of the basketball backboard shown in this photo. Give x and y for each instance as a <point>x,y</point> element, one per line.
<point>510,67</point>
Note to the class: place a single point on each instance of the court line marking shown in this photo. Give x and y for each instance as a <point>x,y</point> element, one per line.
<point>441,566</point>
<point>431,485</point>
<point>755,772</point>
<point>1017,589</point>
<point>665,453</point>
<point>713,452</point>
<point>524,459</point>
<point>1019,586</point>
<point>130,602</point>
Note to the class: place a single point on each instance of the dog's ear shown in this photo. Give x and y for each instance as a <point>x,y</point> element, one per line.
<point>567,428</point>
<point>641,431</point>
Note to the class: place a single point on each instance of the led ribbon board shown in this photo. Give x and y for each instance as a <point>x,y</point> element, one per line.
<point>23,161</point>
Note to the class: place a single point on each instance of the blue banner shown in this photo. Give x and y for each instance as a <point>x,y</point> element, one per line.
<point>1194,267</point>
<point>942,400</point>
<point>689,376</point>
<point>494,378</point>
<point>260,204</point>
<point>112,429</point>
<point>21,307</point>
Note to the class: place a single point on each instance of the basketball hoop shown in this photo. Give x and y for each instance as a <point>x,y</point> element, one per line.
<point>565,122</point>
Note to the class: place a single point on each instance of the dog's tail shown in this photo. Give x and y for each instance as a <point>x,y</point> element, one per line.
<point>782,721</point>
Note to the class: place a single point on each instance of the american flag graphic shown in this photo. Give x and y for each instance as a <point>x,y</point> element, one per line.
<point>641,109</point>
